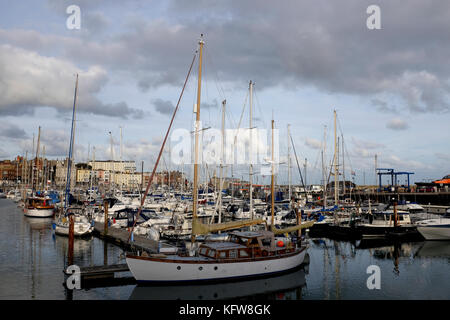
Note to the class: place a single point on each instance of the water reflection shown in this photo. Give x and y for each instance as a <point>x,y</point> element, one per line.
<point>436,249</point>
<point>39,223</point>
<point>284,287</point>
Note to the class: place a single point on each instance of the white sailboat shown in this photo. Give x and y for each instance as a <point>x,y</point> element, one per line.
<point>82,226</point>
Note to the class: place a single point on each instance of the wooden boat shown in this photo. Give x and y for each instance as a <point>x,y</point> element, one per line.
<point>38,207</point>
<point>244,255</point>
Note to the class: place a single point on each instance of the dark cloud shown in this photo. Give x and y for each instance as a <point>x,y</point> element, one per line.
<point>163,106</point>
<point>11,131</point>
<point>383,106</point>
<point>300,43</point>
<point>210,105</point>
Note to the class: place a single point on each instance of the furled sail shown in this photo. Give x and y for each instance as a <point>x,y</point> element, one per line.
<point>199,228</point>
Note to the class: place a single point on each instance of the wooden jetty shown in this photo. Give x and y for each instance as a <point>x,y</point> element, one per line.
<point>106,271</point>
<point>120,238</point>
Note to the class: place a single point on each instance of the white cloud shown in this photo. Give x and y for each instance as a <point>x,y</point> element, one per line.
<point>397,124</point>
<point>313,143</point>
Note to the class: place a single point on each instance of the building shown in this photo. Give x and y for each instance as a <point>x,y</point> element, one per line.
<point>114,166</point>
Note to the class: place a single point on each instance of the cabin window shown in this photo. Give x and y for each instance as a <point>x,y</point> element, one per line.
<point>243,253</point>
<point>233,253</point>
<point>266,242</point>
<point>400,217</point>
<point>212,253</point>
<point>203,251</point>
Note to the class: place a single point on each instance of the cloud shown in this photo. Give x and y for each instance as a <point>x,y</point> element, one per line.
<point>397,124</point>
<point>383,106</point>
<point>163,106</point>
<point>313,143</point>
<point>11,131</point>
<point>443,156</point>
<point>367,144</point>
<point>30,80</point>
<point>313,45</point>
<point>210,105</point>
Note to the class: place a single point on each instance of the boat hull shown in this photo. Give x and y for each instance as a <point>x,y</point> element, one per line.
<point>79,230</point>
<point>38,213</point>
<point>149,269</point>
<point>439,232</point>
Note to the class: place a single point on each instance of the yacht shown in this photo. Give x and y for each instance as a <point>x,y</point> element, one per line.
<point>435,229</point>
<point>38,207</point>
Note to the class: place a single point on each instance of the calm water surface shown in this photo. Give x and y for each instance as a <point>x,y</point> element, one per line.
<point>32,259</point>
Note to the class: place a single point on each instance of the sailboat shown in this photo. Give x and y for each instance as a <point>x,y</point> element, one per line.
<point>245,253</point>
<point>82,226</point>
<point>38,205</point>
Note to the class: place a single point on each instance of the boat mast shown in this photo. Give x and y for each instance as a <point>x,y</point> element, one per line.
<point>36,163</point>
<point>224,102</point>
<point>289,164</point>
<point>323,168</point>
<point>44,167</point>
<point>272,190</point>
<point>72,134</point>
<point>343,164</point>
<point>197,127</point>
<point>121,163</point>
<point>92,167</point>
<point>250,149</point>
<point>335,164</point>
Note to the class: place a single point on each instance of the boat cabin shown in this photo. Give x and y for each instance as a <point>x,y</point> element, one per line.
<point>387,217</point>
<point>245,245</point>
<point>39,203</point>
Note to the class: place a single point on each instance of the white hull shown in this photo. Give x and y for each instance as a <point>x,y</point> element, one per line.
<point>198,269</point>
<point>435,229</point>
<point>435,232</point>
<point>38,213</point>
<point>79,230</point>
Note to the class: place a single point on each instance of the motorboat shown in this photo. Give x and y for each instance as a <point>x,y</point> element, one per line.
<point>38,207</point>
<point>435,229</point>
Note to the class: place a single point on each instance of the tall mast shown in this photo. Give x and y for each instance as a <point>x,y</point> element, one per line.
<point>92,167</point>
<point>111,174</point>
<point>336,187</point>
<point>36,162</point>
<point>306,182</point>
<point>343,163</point>
<point>121,161</point>
<point>272,187</point>
<point>250,149</point>
<point>324,168</point>
<point>44,167</point>
<point>72,135</point>
<point>222,160</point>
<point>289,164</point>
<point>197,128</point>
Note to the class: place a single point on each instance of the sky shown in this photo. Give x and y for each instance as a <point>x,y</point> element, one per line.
<point>389,86</point>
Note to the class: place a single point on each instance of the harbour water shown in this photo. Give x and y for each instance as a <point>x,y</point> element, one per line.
<point>32,260</point>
